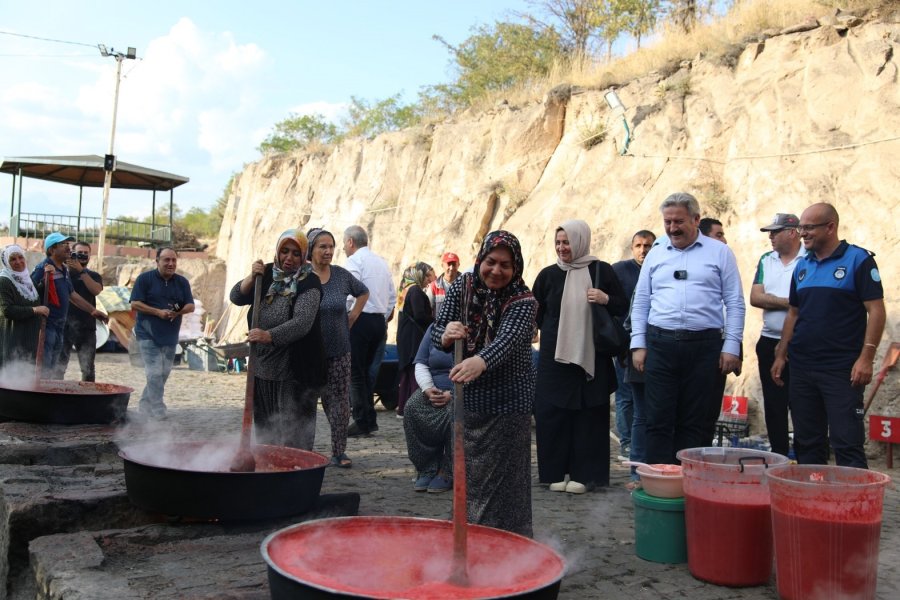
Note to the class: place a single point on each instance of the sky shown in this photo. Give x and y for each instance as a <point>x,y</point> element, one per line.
<point>210,81</point>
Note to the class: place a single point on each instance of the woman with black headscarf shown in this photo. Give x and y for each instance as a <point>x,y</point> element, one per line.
<point>290,358</point>
<point>492,311</point>
<point>574,381</point>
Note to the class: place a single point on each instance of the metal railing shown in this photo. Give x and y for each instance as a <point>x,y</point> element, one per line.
<point>121,231</point>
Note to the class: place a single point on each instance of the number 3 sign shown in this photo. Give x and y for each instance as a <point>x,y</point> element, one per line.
<point>884,429</point>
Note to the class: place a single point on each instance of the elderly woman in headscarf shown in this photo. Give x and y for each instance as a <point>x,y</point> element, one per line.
<point>20,309</point>
<point>338,284</point>
<point>290,366</point>
<point>573,380</point>
<point>492,311</point>
<point>415,317</point>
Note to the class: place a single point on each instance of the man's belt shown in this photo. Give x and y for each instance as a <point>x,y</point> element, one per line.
<point>685,334</point>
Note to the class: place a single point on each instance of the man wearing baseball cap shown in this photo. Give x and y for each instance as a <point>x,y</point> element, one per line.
<point>437,289</point>
<point>771,286</point>
<point>60,293</point>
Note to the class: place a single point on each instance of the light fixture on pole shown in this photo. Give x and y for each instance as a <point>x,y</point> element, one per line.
<point>109,161</point>
<point>615,104</point>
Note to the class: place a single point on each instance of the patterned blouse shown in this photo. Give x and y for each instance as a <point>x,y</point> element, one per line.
<point>333,310</point>
<point>507,386</point>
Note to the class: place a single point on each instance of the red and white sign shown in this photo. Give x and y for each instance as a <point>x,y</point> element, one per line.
<point>734,407</point>
<point>884,429</point>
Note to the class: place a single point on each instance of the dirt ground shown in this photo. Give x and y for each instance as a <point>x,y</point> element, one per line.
<point>594,531</point>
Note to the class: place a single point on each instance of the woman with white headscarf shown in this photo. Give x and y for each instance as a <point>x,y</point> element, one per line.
<point>573,380</point>
<point>20,308</point>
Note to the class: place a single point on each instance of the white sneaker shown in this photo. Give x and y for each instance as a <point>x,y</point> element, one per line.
<point>559,486</point>
<point>573,487</point>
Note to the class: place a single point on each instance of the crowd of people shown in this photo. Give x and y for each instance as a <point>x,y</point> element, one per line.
<point>321,329</point>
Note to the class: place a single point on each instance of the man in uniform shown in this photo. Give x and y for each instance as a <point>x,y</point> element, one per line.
<point>830,335</point>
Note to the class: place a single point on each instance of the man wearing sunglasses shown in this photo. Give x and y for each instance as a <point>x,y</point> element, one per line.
<point>831,332</point>
<point>81,327</point>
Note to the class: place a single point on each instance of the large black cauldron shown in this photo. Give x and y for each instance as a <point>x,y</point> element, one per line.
<point>192,480</point>
<point>66,403</point>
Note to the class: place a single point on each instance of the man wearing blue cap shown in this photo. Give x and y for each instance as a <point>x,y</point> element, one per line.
<point>60,294</point>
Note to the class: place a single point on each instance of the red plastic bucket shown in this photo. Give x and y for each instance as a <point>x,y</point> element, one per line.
<point>729,527</point>
<point>827,523</point>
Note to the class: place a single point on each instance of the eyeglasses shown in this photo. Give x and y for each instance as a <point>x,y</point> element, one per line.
<point>810,226</point>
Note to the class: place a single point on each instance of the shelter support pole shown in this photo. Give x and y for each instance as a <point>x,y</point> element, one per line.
<point>19,211</point>
<point>78,222</point>
<point>153,218</point>
<point>12,205</point>
<point>171,214</point>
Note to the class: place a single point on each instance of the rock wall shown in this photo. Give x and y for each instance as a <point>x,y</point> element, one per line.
<point>790,120</point>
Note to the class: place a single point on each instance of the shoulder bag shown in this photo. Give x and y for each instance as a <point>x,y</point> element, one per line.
<point>610,338</point>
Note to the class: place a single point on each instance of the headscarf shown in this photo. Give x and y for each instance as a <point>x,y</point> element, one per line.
<point>484,307</point>
<point>20,279</point>
<point>417,275</point>
<point>574,341</point>
<point>283,283</point>
<point>312,235</point>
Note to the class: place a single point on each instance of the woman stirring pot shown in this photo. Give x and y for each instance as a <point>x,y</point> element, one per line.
<point>290,358</point>
<point>20,309</point>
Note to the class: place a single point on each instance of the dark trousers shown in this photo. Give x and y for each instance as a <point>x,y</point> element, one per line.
<point>82,337</point>
<point>573,442</point>
<point>681,384</point>
<point>365,336</point>
<point>775,398</point>
<point>823,405</point>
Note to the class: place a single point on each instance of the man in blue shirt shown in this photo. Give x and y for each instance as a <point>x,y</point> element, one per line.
<point>677,337</point>
<point>160,297</point>
<point>831,332</point>
<point>61,294</point>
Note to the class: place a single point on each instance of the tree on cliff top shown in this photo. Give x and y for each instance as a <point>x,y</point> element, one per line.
<point>298,131</point>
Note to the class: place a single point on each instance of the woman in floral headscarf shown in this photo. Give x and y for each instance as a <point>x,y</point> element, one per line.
<point>290,366</point>
<point>415,317</point>
<point>492,311</point>
<point>20,308</point>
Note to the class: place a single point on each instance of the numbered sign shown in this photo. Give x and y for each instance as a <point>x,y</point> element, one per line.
<point>734,407</point>
<point>884,429</point>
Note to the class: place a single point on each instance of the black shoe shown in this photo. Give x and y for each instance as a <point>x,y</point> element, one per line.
<point>356,431</point>
<point>373,429</point>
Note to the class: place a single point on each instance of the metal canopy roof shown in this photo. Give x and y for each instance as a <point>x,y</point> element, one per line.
<point>87,171</point>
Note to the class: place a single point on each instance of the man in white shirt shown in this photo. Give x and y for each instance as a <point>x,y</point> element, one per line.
<point>370,328</point>
<point>770,290</point>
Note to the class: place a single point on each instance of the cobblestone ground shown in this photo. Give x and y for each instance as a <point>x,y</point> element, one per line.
<point>594,531</point>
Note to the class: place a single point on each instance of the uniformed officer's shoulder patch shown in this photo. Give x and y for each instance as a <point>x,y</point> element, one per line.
<point>801,274</point>
<point>840,273</point>
<point>876,276</point>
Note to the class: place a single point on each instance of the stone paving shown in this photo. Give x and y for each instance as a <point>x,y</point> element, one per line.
<point>593,531</point>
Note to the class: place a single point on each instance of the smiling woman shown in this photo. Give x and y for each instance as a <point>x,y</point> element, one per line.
<point>20,309</point>
<point>492,311</point>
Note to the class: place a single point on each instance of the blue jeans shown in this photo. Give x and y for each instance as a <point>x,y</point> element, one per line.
<point>158,362</point>
<point>53,344</point>
<point>624,407</point>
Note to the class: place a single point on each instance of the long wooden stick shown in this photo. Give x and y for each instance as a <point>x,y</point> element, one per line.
<point>459,574</point>
<point>244,460</point>
<point>42,336</point>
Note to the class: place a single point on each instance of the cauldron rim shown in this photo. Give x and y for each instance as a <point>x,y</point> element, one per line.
<point>321,461</point>
<point>115,388</point>
<point>264,550</point>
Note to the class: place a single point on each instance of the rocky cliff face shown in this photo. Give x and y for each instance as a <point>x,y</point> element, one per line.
<point>787,121</point>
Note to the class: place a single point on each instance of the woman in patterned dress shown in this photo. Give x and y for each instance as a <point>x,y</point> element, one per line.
<point>493,311</point>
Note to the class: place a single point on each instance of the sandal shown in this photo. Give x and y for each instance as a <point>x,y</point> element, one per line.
<point>342,461</point>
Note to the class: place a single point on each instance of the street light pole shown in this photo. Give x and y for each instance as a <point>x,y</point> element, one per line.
<point>109,162</point>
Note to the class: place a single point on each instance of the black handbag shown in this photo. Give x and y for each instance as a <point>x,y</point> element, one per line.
<point>610,337</point>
